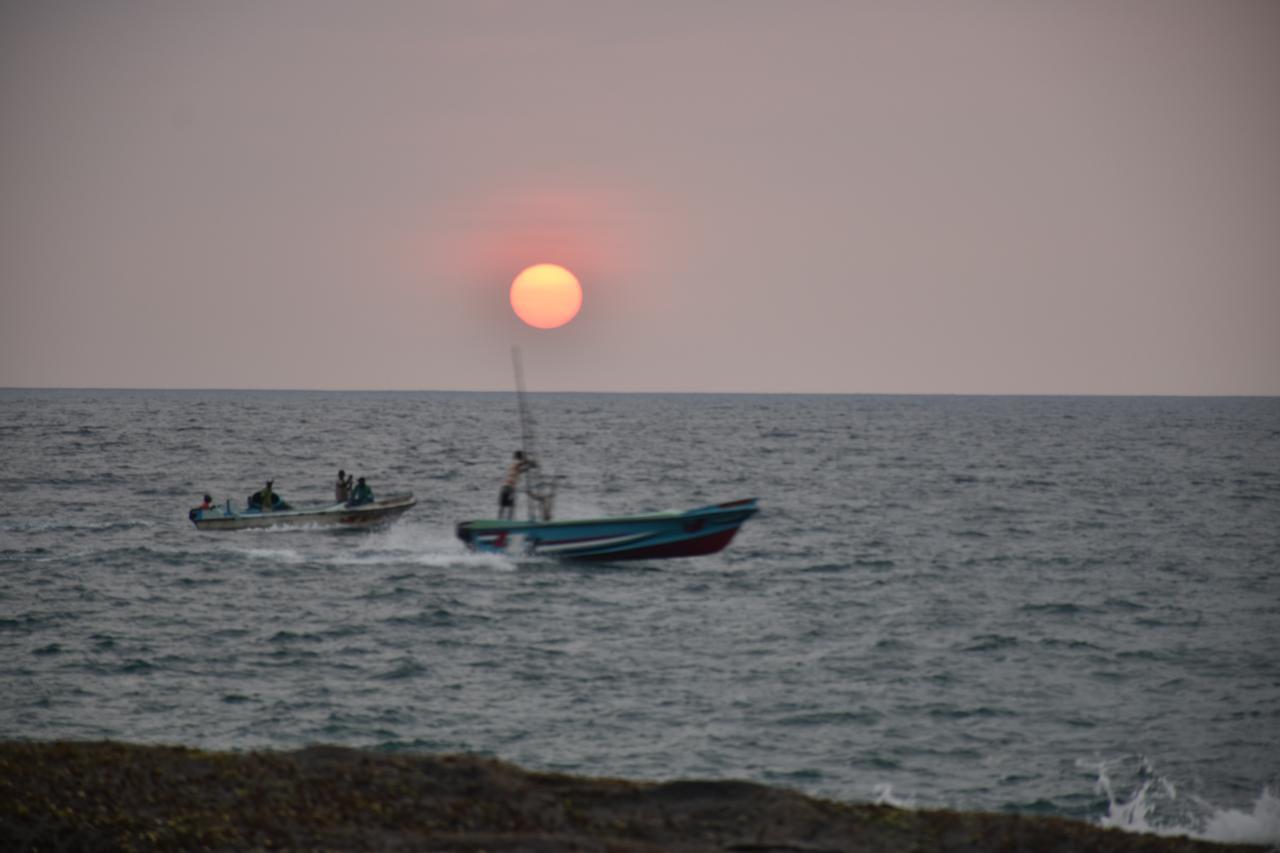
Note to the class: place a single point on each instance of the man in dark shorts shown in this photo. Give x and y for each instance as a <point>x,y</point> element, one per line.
<point>507,497</point>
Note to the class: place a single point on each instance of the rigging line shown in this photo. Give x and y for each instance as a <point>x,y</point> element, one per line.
<point>535,494</point>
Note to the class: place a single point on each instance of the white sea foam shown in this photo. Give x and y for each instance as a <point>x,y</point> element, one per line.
<point>1260,826</point>
<point>1158,807</point>
<point>413,538</point>
<point>419,546</point>
<point>274,555</point>
<point>885,796</point>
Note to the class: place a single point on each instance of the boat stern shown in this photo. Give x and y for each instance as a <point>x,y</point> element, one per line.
<point>463,532</point>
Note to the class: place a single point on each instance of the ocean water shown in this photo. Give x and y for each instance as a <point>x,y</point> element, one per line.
<point>1061,606</point>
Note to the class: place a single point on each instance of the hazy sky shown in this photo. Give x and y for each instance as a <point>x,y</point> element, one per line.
<point>915,197</point>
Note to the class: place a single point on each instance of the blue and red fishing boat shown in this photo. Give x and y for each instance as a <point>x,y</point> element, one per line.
<point>635,537</point>
<point>705,530</point>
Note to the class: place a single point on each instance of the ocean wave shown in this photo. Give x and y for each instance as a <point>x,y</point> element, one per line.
<point>884,795</point>
<point>1157,805</point>
<point>980,712</point>
<point>404,668</point>
<point>825,568</point>
<point>1060,608</point>
<point>989,642</point>
<point>37,525</point>
<point>830,718</point>
<point>852,596</point>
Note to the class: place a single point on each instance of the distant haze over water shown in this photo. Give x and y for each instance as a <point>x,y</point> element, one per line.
<point>1032,604</point>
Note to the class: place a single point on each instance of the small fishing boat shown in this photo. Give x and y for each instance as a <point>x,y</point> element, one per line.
<point>705,530</point>
<point>370,514</point>
<point>636,537</point>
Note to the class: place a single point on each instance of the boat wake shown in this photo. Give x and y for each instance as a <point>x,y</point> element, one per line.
<point>401,544</point>
<point>287,556</point>
<point>416,545</point>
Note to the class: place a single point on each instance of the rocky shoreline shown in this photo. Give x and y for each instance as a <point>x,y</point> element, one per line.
<point>114,796</point>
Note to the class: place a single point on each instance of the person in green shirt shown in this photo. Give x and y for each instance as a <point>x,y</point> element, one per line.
<point>362,494</point>
<point>266,500</point>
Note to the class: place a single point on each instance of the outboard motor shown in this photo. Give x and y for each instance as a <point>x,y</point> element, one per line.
<point>463,532</point>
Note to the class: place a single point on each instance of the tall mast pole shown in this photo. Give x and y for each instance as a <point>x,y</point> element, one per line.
<point>533,490</point>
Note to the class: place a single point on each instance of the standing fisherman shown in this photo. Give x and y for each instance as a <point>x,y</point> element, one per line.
<point>342,488</point>
<point>507,497</point>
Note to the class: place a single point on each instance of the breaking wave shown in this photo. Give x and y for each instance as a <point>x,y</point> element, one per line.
<point>1160,806</point>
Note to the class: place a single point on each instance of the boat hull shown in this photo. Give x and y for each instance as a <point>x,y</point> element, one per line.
<point>658,535</point>
<point>333,515</point>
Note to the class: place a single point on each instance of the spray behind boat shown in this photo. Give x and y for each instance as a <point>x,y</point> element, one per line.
<point>539,487</point>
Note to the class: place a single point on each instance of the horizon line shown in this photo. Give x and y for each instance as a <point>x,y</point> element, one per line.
<point>229,390</point>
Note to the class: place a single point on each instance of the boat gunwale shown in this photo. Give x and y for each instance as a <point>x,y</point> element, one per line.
<point>247,519</point>
<point>746,505</point>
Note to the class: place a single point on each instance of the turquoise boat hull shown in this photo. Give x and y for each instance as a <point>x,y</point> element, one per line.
<point>638,537</point>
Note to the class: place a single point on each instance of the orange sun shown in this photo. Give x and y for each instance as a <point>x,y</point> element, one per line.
<point>546,296</point>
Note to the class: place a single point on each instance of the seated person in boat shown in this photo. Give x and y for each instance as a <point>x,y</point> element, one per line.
<point>207,503</point>
<point>266,500</point>
<point>507,497</point>
<point>362,494</point>
<point>342,488</point>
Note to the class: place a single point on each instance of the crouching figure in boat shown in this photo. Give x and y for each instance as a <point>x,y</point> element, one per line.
<point>266,500</point>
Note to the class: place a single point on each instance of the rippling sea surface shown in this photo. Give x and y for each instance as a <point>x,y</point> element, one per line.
<point>1043,605</point>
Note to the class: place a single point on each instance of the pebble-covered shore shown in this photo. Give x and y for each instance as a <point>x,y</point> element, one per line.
<point>106,795</point>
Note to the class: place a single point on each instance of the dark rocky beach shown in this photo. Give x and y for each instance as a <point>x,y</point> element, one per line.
<point>114,796</point>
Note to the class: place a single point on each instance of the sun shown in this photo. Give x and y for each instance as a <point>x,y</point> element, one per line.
<point>546,296</point>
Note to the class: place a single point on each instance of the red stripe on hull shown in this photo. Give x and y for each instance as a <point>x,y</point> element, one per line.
<point>684,548</point>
